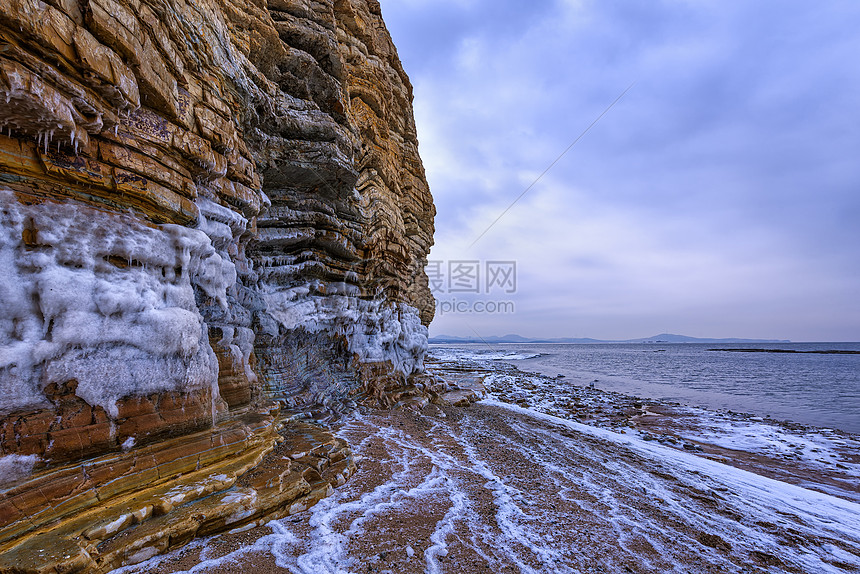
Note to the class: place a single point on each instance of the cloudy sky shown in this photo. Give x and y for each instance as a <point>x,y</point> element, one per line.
<point>720,197</point>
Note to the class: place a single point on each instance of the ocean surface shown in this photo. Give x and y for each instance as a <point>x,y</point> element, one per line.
<point>814,389</point>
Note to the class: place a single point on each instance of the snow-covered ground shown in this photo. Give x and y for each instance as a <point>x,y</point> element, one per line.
<point>823,459</point>
<point>501,488</point>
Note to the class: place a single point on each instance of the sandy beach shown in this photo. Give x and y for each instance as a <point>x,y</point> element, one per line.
<point>496,487</point>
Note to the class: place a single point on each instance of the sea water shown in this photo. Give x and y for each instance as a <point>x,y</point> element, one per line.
<point>808,388</point>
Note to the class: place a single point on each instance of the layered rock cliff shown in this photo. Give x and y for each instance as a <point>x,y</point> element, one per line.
<point>206,208</point>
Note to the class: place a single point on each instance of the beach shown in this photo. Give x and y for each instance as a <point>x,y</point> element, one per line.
<point>500,487</point>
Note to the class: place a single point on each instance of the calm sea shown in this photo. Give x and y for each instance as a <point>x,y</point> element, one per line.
<point>815,389</point>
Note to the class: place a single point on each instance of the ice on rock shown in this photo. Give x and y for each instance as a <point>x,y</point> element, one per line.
<point>221,224</point>
<point>104,299</point>
<point>375,330</point>
<point>15,467</point>
<point>224,227</point>
<point>240,341</point>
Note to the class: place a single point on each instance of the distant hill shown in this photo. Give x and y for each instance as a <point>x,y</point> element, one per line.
<point>661,338</point>
<point>669,338</point>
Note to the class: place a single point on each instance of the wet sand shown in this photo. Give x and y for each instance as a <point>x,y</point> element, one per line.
<point>496,488</point>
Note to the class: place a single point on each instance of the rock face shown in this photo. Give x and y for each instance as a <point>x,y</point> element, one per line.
<point>204,207</point>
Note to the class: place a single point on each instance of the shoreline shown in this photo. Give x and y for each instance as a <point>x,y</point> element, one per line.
<point>822,459</point>
<point>810,388</point>
<point>708,400</point>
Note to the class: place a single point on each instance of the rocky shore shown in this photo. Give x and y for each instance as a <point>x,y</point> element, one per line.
<point>498,487</point>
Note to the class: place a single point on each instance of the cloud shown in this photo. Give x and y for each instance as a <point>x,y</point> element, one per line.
<point>719,197</point>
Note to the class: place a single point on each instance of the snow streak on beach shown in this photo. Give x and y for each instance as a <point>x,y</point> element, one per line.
<point>499,488</point>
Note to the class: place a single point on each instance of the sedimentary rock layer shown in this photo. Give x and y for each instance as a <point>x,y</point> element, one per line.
<point>204,207</point>
<point>127,507</point>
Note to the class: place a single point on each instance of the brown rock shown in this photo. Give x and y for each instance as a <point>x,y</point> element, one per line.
<point>175,178</point>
